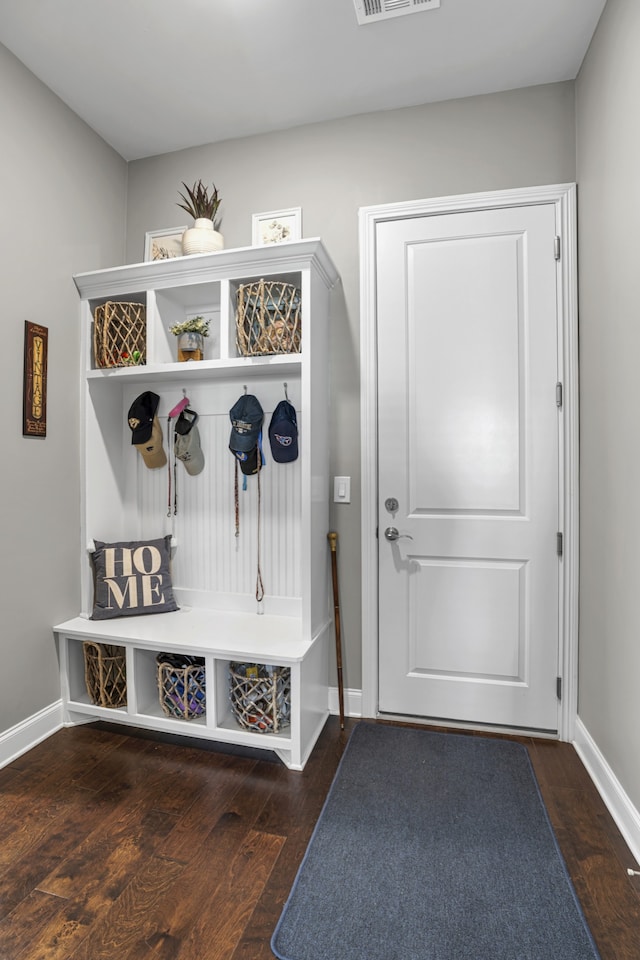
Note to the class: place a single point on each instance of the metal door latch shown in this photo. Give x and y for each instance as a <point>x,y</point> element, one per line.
<point>392,534</point>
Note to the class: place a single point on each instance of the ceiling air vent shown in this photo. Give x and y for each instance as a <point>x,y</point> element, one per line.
<point>367,11</point>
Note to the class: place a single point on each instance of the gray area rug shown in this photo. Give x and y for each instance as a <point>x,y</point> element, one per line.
<point>432,846</point>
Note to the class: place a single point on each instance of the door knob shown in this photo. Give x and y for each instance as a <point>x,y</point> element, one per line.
<point>392,533</point>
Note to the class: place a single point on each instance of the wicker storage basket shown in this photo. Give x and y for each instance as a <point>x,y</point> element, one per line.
<point>260,696</point>
<point>105,674</point>
<point>119,334</point>
<point>181,685</point>
<point>268,318</point>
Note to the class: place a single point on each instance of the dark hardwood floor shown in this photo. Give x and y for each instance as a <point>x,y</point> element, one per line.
<point>119,846</point>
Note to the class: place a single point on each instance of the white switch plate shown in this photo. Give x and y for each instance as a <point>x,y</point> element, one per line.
<point>342,489</point>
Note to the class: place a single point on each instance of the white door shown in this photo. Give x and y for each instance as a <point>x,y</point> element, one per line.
<point>468,446</point>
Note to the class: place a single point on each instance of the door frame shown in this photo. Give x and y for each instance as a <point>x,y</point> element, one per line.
<point>563,196</point>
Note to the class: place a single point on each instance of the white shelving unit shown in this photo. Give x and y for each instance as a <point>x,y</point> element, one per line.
<point>213,571</point>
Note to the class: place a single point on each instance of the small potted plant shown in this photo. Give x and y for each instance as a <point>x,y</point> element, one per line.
<point>191,334</point>
<point>202,205</point>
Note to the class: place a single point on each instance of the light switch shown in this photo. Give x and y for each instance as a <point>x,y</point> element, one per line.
<point>342,489</point>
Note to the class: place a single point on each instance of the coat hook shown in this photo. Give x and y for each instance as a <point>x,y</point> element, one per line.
<point>180,405</point>
<point>286,395</point>
<point>245,389</point>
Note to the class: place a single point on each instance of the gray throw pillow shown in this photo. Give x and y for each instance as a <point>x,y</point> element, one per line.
<point>132,578</point>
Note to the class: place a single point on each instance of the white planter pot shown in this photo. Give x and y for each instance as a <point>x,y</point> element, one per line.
<point>190,346</point>
<point>201,238</point>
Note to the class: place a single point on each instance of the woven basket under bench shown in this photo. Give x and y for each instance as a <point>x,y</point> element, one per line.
<point>105,674</point>
<point>260,696</point>
<point>182,685</point>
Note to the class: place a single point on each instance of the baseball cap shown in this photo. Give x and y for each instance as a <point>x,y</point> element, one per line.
<point>283,433</point>
<point>186,442</point>
<point>246,417</point>
<point>141,415</point>
<point>146,432</point>
<point>249,461</point>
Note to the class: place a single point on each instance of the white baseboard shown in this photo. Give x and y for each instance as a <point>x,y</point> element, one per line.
<point>27,734</point>
<point>19,739</point>
<point>618,804</point>
<point>352,702</point>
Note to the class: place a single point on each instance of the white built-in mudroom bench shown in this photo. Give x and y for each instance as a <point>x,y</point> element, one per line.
<point>222,531</point>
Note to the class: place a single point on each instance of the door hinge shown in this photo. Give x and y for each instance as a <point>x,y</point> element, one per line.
<point>559,688</point>
<point>559,543</point>
<point>559,395</point>
<point>556,248</point>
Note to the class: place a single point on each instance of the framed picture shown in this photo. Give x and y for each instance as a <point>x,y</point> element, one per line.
<point>277,226</point>
<point>34,397</point>
<point>163,244</point>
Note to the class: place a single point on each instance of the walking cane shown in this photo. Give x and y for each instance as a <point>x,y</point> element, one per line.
<point>333,542</point>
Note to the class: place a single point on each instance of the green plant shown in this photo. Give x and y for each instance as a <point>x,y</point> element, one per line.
<point>199,203</point>
<point>192,325</point>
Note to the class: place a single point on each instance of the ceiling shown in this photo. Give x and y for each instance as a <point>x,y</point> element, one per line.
<point>153,76</point>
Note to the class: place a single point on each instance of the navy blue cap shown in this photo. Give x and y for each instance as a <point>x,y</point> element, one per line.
<point>246,417</point>
<point>283,433</point>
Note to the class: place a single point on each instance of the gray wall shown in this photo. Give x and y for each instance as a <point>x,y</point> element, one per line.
<point>63,211</point>
<point>608,145</point>
<point>515,139</point>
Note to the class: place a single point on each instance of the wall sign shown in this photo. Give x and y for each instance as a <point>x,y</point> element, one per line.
<point>34,407</point>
